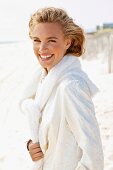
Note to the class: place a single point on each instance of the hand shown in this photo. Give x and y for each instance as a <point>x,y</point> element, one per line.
<point>35,151</point>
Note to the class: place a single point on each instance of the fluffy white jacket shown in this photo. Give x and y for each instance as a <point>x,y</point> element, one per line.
<point>68,131</point>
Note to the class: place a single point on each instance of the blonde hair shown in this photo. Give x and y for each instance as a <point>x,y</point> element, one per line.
<point>69,28</point>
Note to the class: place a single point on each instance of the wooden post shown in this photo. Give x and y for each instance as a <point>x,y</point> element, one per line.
<point>109,53</point>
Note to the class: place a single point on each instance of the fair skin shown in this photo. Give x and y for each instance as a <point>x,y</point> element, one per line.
<point>50,45</point>
<point>35,151</point>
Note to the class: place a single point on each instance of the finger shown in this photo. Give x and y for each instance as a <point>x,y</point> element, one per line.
<point>36,150</point>
<point>33,152</point>
<point>40,154</point>
<point>36,153</point>
<point>33,146</point>
<point>37,157</point>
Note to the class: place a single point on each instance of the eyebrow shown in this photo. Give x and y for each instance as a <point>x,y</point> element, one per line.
<point>47,38</point>
<point>52,38</point>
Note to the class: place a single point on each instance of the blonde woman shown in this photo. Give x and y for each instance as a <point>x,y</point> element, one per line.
<point>68,132</point>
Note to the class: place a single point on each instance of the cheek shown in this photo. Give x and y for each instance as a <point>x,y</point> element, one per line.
<point>35,49</point>
<point>61,49</point>
<point>56,48</point>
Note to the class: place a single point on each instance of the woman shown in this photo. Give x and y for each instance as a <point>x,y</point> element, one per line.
<point>69,137</point>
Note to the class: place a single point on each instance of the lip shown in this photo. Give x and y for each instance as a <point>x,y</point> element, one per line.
<point>44,55</point>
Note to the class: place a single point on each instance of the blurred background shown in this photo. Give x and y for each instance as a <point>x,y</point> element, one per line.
<point>19,68</point>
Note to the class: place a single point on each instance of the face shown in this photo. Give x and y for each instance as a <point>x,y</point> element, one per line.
<point>49,44</point>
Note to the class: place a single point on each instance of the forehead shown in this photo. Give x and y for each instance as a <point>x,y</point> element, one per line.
<point>47,30</point>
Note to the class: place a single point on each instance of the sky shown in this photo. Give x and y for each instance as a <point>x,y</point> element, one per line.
<point>15,14</point>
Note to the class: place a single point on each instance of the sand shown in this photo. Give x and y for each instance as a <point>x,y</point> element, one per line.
<point>18,66</point>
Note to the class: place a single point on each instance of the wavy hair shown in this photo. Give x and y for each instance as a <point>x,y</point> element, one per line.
<point>69,28</point>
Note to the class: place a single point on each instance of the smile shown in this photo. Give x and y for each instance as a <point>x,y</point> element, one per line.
<point>46,57</point>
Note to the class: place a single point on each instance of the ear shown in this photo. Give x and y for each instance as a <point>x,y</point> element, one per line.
<point>68,43</point>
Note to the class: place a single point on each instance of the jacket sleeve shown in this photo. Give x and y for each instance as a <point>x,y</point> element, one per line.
<point>80,116</point>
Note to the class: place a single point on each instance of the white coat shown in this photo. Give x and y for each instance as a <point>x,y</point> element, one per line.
<point>68,132</point>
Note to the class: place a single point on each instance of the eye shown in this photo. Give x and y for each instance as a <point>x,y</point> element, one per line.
<point>36,40</point>
<point>52,40</point>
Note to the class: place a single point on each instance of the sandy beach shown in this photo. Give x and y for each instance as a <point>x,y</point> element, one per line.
<point>18,67</point>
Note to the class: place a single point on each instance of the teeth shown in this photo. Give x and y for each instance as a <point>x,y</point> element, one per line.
<point>47,56</point>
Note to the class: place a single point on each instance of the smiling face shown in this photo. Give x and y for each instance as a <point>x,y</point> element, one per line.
<point>49,44</point>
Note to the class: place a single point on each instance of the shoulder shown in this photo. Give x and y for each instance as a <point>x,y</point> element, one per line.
<point>75,85</point>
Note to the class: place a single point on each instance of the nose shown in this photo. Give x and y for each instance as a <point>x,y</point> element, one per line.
<point>42,47</point>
